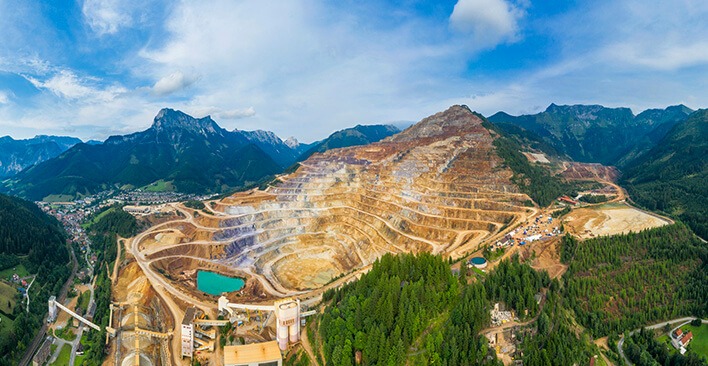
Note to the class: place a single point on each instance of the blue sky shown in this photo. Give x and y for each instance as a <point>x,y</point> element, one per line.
<point>306,68</point>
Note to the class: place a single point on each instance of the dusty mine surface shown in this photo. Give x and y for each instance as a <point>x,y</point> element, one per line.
<point>436,187</point>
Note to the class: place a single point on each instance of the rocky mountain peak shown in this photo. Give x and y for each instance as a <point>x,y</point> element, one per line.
<point>170,120</point>
<point>266,137</point>
<point>454,120</point>
<point>292,142</point>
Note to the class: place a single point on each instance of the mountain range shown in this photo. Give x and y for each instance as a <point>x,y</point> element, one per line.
<point>194,154</point>
<point>597,134</point>
<point>671,176</point>
<point>660,151</point>
<point>16,155</point>
<point>355,136</point>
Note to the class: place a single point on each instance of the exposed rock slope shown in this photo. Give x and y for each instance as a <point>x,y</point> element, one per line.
<point>436,187</point>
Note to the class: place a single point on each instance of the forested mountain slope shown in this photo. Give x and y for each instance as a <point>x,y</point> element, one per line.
<point>26,231</point>
<point>597,134</point>
<point>355,136</point>
<point>30,239</point>
<point>196,154</point>
<point>673,176</point>
<point>627,281</point>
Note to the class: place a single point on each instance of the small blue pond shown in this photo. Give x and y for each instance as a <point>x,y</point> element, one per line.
<point>478,261</point>
<point>214,283</point>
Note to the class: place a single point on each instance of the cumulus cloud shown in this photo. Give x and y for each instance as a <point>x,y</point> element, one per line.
<point>64,84</point>
<point>488,22</point>
<point>237,113</point>
<point>106,16</point>
<point>67,85</point>
<point>660,57</point>
<point>4,97</point>
<point>221,113</point>
<point>174,82</point>
<point>636,34</point>
<point>309,61</point>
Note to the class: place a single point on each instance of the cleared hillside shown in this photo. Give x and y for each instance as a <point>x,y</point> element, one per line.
<point>440,186</point>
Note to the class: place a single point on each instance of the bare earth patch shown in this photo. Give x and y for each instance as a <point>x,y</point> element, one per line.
<point>610,220</point>
<point>537,157</point>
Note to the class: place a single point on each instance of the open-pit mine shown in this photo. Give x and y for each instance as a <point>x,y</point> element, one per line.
<point>438,187</point>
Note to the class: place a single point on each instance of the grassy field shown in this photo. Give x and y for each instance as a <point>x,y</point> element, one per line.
<point>101,215</point>
<point>98,217</point>
<point>64,356</point>
<point>159,186</point>
<point>600,361</point>
<point>80,358</point>
<point>5,326</point>
<point>58,198</point>
<point>83,301</point>
<point>19,269</point>
<point>7,298</point>
<point>66,333</point>
<point>699,344</point>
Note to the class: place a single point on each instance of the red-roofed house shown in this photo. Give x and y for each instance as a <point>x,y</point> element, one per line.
<point>686,338</point>
<point>680,340</point>
<point>568,200</point>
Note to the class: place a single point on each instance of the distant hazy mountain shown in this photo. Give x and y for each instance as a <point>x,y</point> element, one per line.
<point>195,154</point>
<point>673,176</point>
<point>355,136</point>
<point>593,133</point>
<point>285,153</point>
<point>16,155</point>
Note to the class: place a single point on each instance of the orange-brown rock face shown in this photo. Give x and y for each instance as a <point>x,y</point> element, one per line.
<point>437,187</point>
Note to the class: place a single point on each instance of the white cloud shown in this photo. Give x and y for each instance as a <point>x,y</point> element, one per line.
<point>219,114</point>
<point>4,97</point>
<point>106,16</point>
<point>174,82</point>
<point>67,85</point>
<point>634,35</point>
<point>313,66</point>
<point>237,113</point>
<point>306,63</point>
<point>488,22</point>
<point>64,84</point>
<point>659,57</point>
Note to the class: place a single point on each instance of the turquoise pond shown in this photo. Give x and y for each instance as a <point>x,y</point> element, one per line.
<point>214,283</point>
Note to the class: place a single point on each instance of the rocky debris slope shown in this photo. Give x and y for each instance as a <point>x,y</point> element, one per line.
<point>436,187</point>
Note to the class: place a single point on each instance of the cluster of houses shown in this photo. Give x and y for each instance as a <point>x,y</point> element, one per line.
<point>680,340</point>
<point>72,215</point>
<point>141,197</point>
<point>21,282</point>
<point>530,232</point>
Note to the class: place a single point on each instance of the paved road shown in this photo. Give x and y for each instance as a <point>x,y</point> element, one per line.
<point>683,321</point>
<point>80,333</point>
